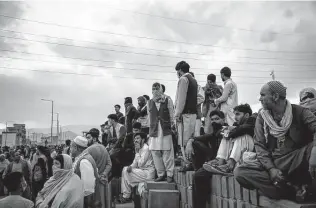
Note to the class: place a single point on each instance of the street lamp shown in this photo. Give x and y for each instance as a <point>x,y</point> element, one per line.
<point>51,127</point>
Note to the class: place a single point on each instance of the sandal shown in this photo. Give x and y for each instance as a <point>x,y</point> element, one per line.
<point>123,200</point>
<point>222,170</point>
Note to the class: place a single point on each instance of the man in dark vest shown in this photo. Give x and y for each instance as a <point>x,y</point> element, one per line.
<point>86,168</point>
<point>185,107</point>
<point>161,118</point>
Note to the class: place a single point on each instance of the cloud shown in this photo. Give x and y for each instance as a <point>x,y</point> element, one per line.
<point>89,99</point>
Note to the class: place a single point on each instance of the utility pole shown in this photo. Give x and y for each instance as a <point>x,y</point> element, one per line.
<point>272,75</point>
<point>57,127</point>
<point>51,127</point>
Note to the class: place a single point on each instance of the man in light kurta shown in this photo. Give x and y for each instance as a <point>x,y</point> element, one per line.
<point>161,118</point>
<point>229,99</point>
<point>141,170</point>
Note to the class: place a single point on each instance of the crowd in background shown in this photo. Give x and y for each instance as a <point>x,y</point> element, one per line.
<point>204,129</point>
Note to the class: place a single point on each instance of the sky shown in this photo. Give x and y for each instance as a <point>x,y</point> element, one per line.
<point>88,55</point>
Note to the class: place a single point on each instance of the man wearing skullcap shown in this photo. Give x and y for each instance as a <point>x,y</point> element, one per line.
<point>143,114</point>
<point>141,170</point>
<point>13,182</point>
<point>103,163</point>
<point>284,135</point>
<point>229,99</point>
<point>130,114</point>
<point>85,167</point>
<point>308,99</point>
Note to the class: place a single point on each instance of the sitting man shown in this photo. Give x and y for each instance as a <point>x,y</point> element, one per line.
<point>308,99</point>
<point>284,135</point>
<point>204,148</point>
<point>118,131</point>
<point>239,139</point>
<point>123,152</point>
<point>142,169</point>
<point>228,151</point>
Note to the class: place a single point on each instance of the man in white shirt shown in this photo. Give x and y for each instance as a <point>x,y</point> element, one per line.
<point>142,169</point>
<point>229,99</point>
<point>85,167</point>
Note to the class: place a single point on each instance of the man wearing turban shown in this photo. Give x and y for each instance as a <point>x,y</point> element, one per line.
<point>284,135</point>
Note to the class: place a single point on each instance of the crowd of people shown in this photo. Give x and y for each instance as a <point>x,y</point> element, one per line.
<point>272,150</point>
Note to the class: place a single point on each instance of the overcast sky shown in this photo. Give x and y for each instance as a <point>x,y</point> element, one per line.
<point>123,47</point>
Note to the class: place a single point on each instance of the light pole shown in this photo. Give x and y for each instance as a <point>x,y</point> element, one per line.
<point>57,127</point>
<point>51,127</point>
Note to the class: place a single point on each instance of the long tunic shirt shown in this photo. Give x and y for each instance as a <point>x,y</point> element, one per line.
<point>162,142</point>
<point>144,161</point>
<point>229,98</point>
<point>301,132</point>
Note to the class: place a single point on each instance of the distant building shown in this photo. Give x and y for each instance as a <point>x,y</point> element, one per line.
<point>20,131</point>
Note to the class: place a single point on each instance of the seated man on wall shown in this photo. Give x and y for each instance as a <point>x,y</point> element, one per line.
<point>239,139</point>
<point>284,135</point>
<point>204,148</point>
<point>242,135</point>
<point>123,152</point>
<point>142,169</point>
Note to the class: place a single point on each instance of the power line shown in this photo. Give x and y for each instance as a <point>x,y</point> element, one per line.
<point>205,23</point>
<point>94,75</point>
<point>132,63</point>
<point>154,39</point>
<point>151,49</point>
<point>108,67</point>
<point>159,55</point>
<point>132,69</point>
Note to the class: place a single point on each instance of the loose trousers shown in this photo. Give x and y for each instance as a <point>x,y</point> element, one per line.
<point>198,125</point>
<point>293,165</point>
<point>164,161</point>
<point>186,128</point>
<point>201,187</point>
<point>234,148</point>
<point>132,179</point>
<point>202,153</point>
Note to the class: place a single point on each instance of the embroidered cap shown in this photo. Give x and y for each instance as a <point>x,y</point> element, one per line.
<point>81,141</point>
<point>277,87</point>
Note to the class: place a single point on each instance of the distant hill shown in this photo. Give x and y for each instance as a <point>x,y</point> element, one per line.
<point>76,129</point>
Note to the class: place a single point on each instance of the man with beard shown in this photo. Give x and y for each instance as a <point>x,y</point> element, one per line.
<point>161,119</point>
<point>142,113</point>
<point>204,148</point>
<point>241,134</point>
<point>185,106</point>
<point>130,114</point>
<point>212,92</point>
<point>238,139</point>
<point>103,163</point>
<point>229,98</point>
<point>123,151</point>
<point>142,169</point>
<point>285,139</point>
<point>86,168</point>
